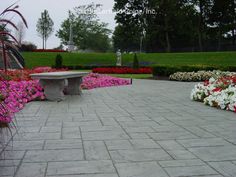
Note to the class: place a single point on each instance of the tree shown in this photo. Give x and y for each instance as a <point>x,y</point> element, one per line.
<point>204,10</point>
<point>45,27</point>
<point>20,33</point>
<point>161,21</point>
<point>89,33</point>
<point>27,47</point>
<point>222,18</point>
<point>176,25</point>
<point>233,20</point>
<point>131,24</point>
<point>126,38</point>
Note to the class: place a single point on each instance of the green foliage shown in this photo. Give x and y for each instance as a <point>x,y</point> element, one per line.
<point>135,62</point>
<point>34,59</point>
<point>223,19</point>
<point>7,40</point>
<point>126,38</point>
<point>28,47</point>
<point>45,27</point>
<point>58,61</point>
<point>1,98</point>
<point>89,33</point>
<point>175,25</point>
<point>60,47</point>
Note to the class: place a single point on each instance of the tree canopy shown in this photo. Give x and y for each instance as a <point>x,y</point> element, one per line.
<point>89,33</point>
<point>174,25</point>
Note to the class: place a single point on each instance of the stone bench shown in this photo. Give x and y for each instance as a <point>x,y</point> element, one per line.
<point>55,84</point>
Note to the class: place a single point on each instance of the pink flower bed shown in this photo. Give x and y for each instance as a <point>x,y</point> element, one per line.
<point>92,81</point>
<point>15,94</point>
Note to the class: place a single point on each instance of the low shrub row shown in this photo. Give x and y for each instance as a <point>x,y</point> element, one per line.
<point>122,70</point>
<point>197,76</point>
<point>191,76</point>
<point>81,67</point>
<point>169,70</point>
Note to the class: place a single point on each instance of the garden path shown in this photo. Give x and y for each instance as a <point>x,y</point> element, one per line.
<point>149,129</point>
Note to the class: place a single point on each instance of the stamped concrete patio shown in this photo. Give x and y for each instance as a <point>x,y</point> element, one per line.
<point>149,129</point>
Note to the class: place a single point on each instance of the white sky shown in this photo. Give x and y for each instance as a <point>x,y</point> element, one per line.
<point>58,11</point>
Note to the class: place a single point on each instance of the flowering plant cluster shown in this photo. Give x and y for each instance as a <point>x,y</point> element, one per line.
<point>24,74</point>
<point>94,80</point>
<point>196,76</point>
<point>191,76</point>
<point>14,95</point>
<point>123,70</point>
<point>17,89</point>
<point>218,92</point>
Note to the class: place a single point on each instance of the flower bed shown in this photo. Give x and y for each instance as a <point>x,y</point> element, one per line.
<point>122,70</point>
<point>218,92</point>
<point>191,76</point>
<point>14,95</point>
<point>196,76</point>
<point>17,89</point>
<point>94,80</point>
<point>19,75</point>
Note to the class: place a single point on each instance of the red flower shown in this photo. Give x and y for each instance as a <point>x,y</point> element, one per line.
<point>123,70</point>
<point>206,83</point>
<point>217,90</point>
<point>24,75</point>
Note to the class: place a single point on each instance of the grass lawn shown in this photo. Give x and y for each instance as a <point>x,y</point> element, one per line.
<point>83,59</point>
<point>133,76</point>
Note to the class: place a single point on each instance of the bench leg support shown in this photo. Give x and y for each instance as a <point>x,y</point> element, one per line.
<point>74,86</point>
<point>53,89</point>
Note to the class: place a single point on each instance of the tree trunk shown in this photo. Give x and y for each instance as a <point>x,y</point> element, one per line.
<point>219,38</point>
<point>168,47</point>
<point>200,40</point>
<point>167,36</point>
<point>200,26</point>
<point>233,37</point>
<point>43,42</point>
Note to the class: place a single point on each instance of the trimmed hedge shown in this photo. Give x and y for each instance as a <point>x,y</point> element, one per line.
<point>122,70</point>
<point>169,70</point>
<point>90,67</point>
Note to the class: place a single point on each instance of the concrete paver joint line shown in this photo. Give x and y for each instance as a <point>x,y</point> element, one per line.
<point>138,131</point>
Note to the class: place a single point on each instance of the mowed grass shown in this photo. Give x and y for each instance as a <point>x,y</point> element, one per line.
<point>127,76</point>
<point>133,76</point>
<point>109,59</point>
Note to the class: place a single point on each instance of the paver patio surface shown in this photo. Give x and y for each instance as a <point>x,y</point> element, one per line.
<point>149,129</point>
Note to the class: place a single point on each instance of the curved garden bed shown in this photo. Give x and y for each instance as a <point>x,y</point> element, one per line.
<point>219,92</point>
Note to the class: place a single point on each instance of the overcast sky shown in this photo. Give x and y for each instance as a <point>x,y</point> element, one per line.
<point>58,11</point>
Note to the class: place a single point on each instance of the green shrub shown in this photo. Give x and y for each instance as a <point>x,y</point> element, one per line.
<point>169,70</point>
<point>164,70</point>
<point>135,62</point>
<point>58,61</point>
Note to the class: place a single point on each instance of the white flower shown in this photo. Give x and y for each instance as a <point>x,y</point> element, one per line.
<point>224,97</point>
